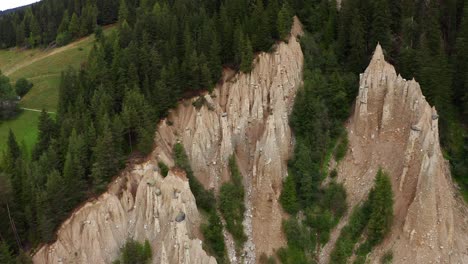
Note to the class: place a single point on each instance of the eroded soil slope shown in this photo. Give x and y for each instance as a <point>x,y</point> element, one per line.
<point>245,116</point>
<point>395,128</point>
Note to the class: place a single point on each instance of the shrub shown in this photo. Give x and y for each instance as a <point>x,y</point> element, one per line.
<point>342,148</point>
<point>333,173</point>
<point>231,204</point>
<point>288,197</point>
<point>387,258</point>
<point>135,253</point>
<point>213,230</point>
<point>213,234</point>
<point>375,214</point>
<point>205,199</point>
<point>199,102</point>
<point>63,38</point>
<point>22,87</point>
<point>164,168</point>
<point>264,259</point>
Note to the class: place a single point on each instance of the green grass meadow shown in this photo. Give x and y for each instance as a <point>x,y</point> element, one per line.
<point>43,68</point>
<point>24,126</point>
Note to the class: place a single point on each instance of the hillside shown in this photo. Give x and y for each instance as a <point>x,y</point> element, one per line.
<point>235,131</point>
<point>393,127</point>
<point>246,117</point>
<point>43,68</point>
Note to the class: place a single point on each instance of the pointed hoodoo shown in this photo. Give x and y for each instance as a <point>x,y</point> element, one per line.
<point>395,128</point>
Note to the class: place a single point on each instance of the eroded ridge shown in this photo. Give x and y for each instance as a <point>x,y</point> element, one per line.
<point>394,127</point>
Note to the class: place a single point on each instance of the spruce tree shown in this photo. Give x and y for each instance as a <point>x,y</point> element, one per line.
<point>74,171</point>
<point>284,22</point>
<point>47,131</point>
<point>123,11</point>
<point>247,56</point>
<point>65,22</point>
<point>380,26</point>
<point>381,205</point>
<point>288,196</point>
<point>5,254</point>
<point>357,52</point>
<point>460,73</point>
<point>74,26</point>
<point>105,161</point>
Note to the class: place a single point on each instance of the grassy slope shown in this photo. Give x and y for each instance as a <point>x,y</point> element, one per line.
<point>24,127</point>
<point>43,69</point>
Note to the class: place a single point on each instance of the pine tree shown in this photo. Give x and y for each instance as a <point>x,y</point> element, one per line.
<point>57,196</point>
<point>380,26</point>
<point>46,127</point>
<point>381,204</point>
<point>6,256</point>
<point>460,73</point>
<point>35,32</point>
<point>261,38</point>
<point>12,154</point>
<point>247,57</point>
<point>123,11</point>
<point>74,170</point>
<point>288,196</point>
<point>284,22</point>
<point>74,26</point>
<point>105,161</point>
<point>20,34</point>
<point>357,53</point>
<point>65,23</point>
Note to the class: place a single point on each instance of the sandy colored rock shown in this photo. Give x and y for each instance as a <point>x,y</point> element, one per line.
<point>248,116</point>
<point>395,128</point>
<point>141,205</point>
<point>245,116</point>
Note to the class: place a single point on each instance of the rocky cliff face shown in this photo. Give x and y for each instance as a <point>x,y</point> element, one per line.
<point>245,116</point>
<point>395,128</point>
<point>140,204</point>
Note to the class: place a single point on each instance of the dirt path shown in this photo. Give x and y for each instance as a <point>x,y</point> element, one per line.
<point>325,251</point>
<point>41,57</point>
<point>35,110</point>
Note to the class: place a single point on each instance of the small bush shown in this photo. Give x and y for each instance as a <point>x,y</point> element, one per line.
<point>231,204</point>
<point>333,173</point>
<point>387,258</point>
<point>201,101</point>
<point>213,230</point>
<point>213,234</point>
<point>135,253</point>
<point>63,38</point>
<point>22,87</point>
<point>342,148</point>
<point>288,197</point>
<point>164,168</point>
<point>375,215</point>
<point>264,259</point>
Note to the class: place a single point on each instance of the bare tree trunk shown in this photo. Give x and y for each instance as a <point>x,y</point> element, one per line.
<point>13,227</point>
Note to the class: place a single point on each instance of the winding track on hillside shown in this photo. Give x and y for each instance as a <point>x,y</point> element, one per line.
<point>34,60</point>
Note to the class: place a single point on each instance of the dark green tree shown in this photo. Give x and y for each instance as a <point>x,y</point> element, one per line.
<point>288,196</point>
<point>380,26</point>
<point>381,205</point>
<point>74,26</point>
<point>284,22</point>
<point>247,56</point>
<point>22,86</point>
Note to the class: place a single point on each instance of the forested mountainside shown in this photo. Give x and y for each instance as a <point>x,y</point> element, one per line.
<point>166,50</point>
